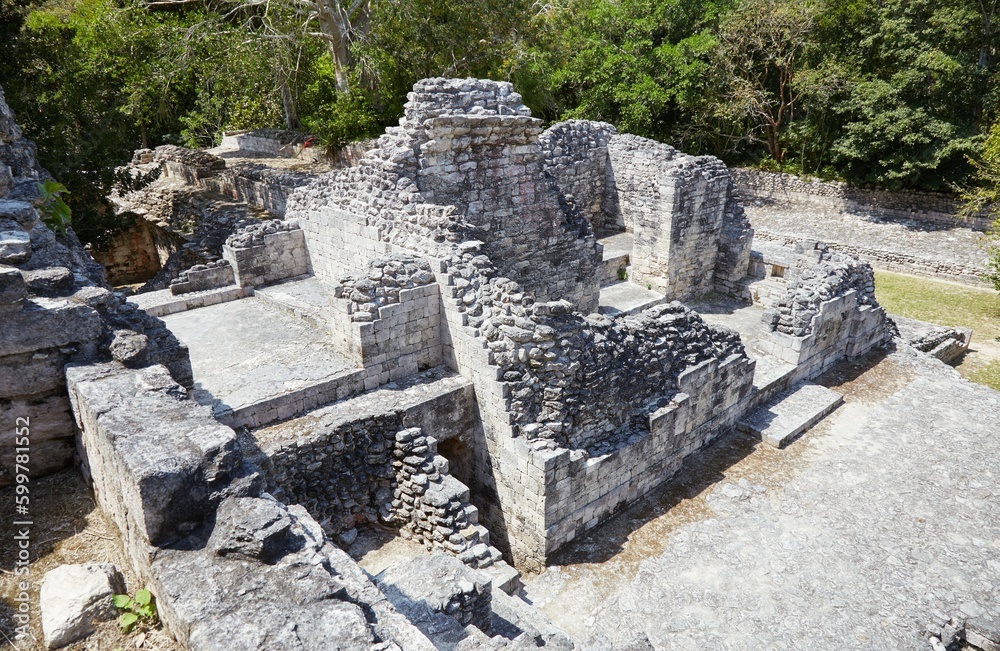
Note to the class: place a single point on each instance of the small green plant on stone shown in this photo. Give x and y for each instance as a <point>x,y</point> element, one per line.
<point>55,212</point>
<point>622,274</point>
<point>135,610</point>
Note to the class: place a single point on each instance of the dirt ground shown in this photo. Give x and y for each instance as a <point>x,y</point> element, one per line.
<point>68,529</point>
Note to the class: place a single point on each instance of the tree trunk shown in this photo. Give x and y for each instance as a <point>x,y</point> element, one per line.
<point>288,104</point>
<point>335,25</point>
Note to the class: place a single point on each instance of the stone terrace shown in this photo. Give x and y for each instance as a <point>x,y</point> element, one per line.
<point>853,538</point>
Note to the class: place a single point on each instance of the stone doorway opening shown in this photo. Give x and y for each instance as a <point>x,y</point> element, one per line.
<point>459,456</point>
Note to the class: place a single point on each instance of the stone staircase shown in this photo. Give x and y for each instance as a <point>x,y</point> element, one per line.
<point>790,414</point>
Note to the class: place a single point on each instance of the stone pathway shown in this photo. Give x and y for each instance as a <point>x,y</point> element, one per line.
<point>893,244</point>
<point>881,524</point>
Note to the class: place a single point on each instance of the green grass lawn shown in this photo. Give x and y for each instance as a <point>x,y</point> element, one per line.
<point>952,305</point>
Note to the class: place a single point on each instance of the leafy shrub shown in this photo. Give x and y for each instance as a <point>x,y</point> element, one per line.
<point>135,610</point>
<point>55,212</point>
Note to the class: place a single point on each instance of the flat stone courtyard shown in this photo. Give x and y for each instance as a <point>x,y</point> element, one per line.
<point>245,352</point>
<point>952,250</point>
<point>877,526</point>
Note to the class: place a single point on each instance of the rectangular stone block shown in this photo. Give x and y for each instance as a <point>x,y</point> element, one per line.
<point>48,323</point>
<point>160,462</point>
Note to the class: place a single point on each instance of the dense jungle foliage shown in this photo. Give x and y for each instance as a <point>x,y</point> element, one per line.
<point>887,93</point>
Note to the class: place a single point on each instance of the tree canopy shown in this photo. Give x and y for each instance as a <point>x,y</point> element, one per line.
<point>886,93</point>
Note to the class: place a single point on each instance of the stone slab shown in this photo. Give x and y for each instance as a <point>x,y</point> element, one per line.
<point>163,302</point>
<point>628,298</point>
<point>790,414</point>
<point>245,353</point>
<point>48,323</point>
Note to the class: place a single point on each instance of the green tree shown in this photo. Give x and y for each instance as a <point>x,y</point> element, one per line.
<point>984,198</point>
<point>757,68</point>
<point>911,114</point>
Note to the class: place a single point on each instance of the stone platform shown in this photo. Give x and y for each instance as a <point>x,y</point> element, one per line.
<point>628,298</point>
<point>854,538</point>
<point>256,364</point>
<point>790,414</point>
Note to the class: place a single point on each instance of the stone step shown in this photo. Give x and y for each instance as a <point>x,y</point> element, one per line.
<point>771,376</point>
<point>617,252</point>
<point>162,302</point>
<point>614,269</point>
<point>505,578</point>
<point>471,514</point>
<point>767,291</point>
<point>790,414</point>
<point>628,298</point>
<point>484,534</point>
<point>309,299</point>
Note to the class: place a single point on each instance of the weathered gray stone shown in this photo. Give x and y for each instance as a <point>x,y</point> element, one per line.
<point>12,287</point>
<point>48,323</point>
<point>240,605</point>
<point>48,281</point>
<point>442,583</point>
<point>253,528</point>
<point>15,243</point>
<point>161,462</point>
<point>73,598</point>
<point>20,211</point>
<point>130,348</point>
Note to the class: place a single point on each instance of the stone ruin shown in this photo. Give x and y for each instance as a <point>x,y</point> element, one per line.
<point>477,335</point>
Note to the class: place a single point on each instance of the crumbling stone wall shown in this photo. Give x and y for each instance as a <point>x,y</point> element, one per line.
<point>589,383</point>
<point>576,156</point>
<point>583,490</point>
<point>256,184</point>
<point>933,207</point>
<point>389,317</point>
<point>177,224</point>
<point>464,165</point>
<point>348,468</point>
<point>202,277</point>
<point>266,252</point>
<point>674,204</point>
<point>732,264</point>
<point>137,254</point>
<point>55,309</point>
<point>829,311</point>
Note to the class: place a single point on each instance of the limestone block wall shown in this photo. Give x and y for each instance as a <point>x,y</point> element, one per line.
<point>732,264</point>
<point>215,551</point>
<point>828,312</point>
<point>54,309</point>
<point>583,490</point>
<point>347,470</point>
<point>257,185</point>
<point>492,169</point>
<point>674,204</point>
<point>576,155</point>
<point>389,317</point>
<point>203,277</point>
<point>39,336</point>
<point>266,252</point>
